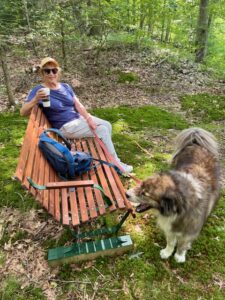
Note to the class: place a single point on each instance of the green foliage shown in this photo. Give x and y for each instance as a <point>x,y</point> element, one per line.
<point>10,289</point>
<point>11,17</point>
<point>127,77</point>
<point>60,27</point>
<point>216,53</point>
<point>206,107</point>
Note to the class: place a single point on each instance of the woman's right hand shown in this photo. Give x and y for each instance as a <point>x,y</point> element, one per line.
<point>91,123</point>
<point>27,107</point>
<point>40,95</point>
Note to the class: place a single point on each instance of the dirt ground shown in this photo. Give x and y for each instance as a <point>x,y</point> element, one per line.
<point>95,79</point>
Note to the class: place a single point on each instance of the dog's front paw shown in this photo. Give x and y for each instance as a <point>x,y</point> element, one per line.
<point>180,258</point>
<point>164,253</point>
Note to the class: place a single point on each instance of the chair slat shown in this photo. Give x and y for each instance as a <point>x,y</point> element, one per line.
<point>118,196</point>
<point>24,154</point>
<point>51,207</point>
<point>83,205</point>
<point>122,190</point>
<point>30,160</point>
<point>92,173</point>
<point>89,192</point>
<point>65,211</point>
<point>41,162</point>
<point>104,176</point>
<point>46,179</point>
<point>57,212</point>
<point>77,183</point>
<point>74,208</point>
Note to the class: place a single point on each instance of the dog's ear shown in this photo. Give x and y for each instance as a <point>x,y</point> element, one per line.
<point>167,205</point>
<point>171,203</point>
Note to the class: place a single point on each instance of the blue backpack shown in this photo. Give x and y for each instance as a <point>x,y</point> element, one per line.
<point>66,164</point>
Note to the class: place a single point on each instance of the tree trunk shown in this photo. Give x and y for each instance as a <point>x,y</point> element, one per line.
<point>6,76</point>
<point>128,12</point>
<point>134,12</point>
<point>150,21</point>
<point>163,21</point>
<point>168,26</point>
<point>29,27</point>
<point>80,23</point>
<point>202,31</point>
<point>142,15</point>
<point>93,25</point>
<point>63,44</point>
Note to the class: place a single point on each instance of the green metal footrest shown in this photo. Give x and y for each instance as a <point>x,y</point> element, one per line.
<point>90,250</point>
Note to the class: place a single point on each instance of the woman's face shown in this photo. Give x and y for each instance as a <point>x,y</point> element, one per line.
<point>50,73</point>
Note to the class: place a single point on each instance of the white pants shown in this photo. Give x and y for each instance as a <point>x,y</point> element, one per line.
<point>79,128</point>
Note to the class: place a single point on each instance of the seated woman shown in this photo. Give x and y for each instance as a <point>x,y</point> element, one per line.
<point>66,111</point>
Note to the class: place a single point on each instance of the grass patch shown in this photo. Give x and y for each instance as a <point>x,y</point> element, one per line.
<point>206,107</point>
<point>127,77</point>
<point>10,289</point>
<point>19,235</point>
<point>133,128</point>
<point>140,118</point>
<point>2,258</point>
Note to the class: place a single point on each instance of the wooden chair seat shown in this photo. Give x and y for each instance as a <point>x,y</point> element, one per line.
<point>69,205</point>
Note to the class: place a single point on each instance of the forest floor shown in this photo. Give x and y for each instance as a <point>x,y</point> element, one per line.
<point>99,82</point>
<point>110,79</point>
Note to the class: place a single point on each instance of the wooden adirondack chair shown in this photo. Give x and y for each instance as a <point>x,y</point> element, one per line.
<point>74,203</point>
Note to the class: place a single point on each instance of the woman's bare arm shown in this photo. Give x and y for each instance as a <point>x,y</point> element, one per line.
<point>83,112</point>
<point>80,108</point>
<point>27,107</point>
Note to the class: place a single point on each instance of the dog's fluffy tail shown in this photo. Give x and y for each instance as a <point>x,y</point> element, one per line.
<point>196,135</point>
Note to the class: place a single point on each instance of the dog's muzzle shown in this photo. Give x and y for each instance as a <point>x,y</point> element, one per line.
<point>141,207</point>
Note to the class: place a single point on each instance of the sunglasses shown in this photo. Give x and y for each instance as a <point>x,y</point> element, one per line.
<point>48,71</point>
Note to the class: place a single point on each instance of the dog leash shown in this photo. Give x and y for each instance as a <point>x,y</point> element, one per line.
<point>112,159</point>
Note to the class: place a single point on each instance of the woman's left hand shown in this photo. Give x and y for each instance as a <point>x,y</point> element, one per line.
<point>91,123</point>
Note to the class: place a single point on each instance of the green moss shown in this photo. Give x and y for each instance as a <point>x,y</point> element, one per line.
<point>206,107</point>
<point>2,258</point>
<point>127,77</point>
<point>19,235</point>
<point>140,118</point>
<point>10,289</point>
<point>12,195</point>
<point>61,241</point>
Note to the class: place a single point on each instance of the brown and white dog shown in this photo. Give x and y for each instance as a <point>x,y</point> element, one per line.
<point>184,196</point>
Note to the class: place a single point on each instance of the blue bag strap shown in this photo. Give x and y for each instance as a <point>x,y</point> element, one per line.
<point>68,156</point>
<point>59,133</point>
<point>101,161</point>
